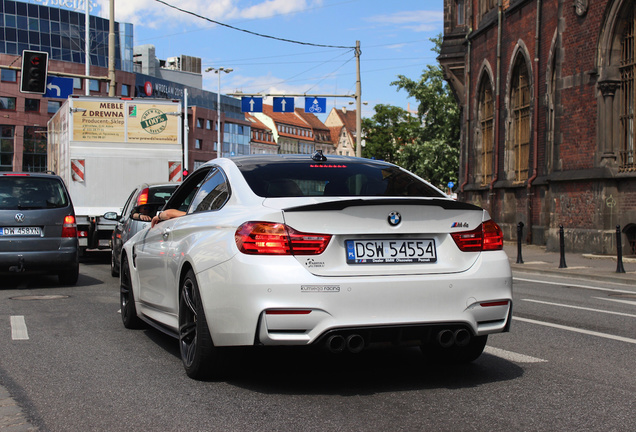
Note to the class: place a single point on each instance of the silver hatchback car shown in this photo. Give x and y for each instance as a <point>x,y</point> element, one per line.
<point>38,230</point>
<point>142,204</point>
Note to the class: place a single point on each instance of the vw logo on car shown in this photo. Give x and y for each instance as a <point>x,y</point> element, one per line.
<point>19,217</point>
<point>394,218</point>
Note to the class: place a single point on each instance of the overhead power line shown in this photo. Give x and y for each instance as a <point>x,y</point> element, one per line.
<point>251,32</point>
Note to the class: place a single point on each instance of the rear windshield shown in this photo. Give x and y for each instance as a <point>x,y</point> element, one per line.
<point>21,193</point>
<point>297,179</point>
<point>160,194</point>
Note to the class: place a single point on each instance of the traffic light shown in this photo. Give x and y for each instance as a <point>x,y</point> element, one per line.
<point>34,70</point>
<point>185,173</point>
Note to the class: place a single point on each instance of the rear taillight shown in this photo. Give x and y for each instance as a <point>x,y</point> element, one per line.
<point>143,197</point>
<point>267,238</point>
<point>487,236</point>
<point>69,228</point>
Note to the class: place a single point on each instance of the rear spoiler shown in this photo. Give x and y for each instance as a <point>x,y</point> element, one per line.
<point>446,204</point>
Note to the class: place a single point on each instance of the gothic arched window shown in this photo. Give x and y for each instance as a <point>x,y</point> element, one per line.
<point>520,109</point>
<point>486,130</point>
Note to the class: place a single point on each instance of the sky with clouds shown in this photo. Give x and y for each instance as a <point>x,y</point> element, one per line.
<point>394,39</point>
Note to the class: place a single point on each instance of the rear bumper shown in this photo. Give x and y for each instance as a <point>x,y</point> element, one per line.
<point>269,304</point>
<point>39,261</point>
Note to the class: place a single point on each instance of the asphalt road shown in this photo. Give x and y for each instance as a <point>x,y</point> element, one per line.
<point>568,363</point>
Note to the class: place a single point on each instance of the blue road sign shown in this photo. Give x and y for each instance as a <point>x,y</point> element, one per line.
<point>283,104</point>
<point>251,104</point>
<point>58,87</point>
<point>451,184</point>
<point>316,105</point>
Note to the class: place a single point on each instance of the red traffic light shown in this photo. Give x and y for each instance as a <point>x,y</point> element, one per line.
<point>185,173</point>
<point>34,71</point>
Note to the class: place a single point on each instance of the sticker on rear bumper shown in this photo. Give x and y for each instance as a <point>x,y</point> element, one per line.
<point>320,288</point>
<point>311,263</point>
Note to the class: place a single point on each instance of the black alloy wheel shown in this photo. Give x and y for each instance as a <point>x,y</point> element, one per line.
<point>199,355</point>
<point>126,298</point>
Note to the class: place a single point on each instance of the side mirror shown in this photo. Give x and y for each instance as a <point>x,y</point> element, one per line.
<point>111,216</point>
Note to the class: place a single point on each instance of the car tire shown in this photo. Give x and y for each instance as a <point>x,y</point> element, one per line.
<point>201,359</point>
<point>69,277</point>
<point>126,299</point>
<point>455,354</point>
<point>114,271</point>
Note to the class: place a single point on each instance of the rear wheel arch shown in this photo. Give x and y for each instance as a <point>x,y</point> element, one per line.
<point>185,268</point>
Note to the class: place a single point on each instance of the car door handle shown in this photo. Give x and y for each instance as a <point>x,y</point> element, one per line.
<point>166,234</point>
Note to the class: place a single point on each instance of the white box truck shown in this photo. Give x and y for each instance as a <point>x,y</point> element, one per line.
<point>103,147</point>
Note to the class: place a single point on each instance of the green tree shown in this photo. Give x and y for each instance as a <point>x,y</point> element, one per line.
<point>438,109</point>
<point>434,154</point>
<point>390,128</point>
<point>426,144</point>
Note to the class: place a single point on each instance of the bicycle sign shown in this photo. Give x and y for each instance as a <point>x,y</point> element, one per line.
<point>315,105</point>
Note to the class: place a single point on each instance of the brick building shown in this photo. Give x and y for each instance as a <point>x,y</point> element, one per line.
<point>547,94</point>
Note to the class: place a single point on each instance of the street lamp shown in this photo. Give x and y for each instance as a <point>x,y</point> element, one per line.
<point>218,105</point>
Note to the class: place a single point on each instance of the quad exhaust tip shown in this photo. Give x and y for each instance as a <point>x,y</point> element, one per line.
<point>353,343</point>
<point>447,338</point>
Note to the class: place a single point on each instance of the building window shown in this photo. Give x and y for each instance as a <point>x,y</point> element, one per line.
<point>6,147</point>
<point>77,83</point>
<point>486,124</point>
<point>125,90</point>
<point>627,161</point>
<point>94,85</point>
<point>8,75</point>
<point>53,106</point>
<point>198,144</point>
<point>7,103</point>
<point>460,12</point>
<point>208,124</point>
<point>200,123</point>
<point>520,101</point>
<point>34,154</point>
<point>32,105</point>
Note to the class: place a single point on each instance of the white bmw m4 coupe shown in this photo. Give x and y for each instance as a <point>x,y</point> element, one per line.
<point>337,252</point>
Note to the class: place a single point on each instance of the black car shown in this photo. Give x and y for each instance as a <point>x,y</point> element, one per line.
<point>38,230</point>
<point>142,204</point>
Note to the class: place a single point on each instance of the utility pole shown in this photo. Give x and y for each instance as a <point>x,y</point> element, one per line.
<point>111,50</point>
<point>358,103</point>
<point>87,48</point>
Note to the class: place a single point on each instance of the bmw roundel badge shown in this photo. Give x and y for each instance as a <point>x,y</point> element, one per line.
<point>394,218</point>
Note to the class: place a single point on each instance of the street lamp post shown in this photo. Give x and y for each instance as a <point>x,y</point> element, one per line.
<point>218,106</point>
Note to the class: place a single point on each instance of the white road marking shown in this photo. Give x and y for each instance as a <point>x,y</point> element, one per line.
<point>512,356</point>
<point>585,308</point>
<point>576,286</point>
<point>617,300</point>
<point>19,328</point>
<point>577,330</point>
